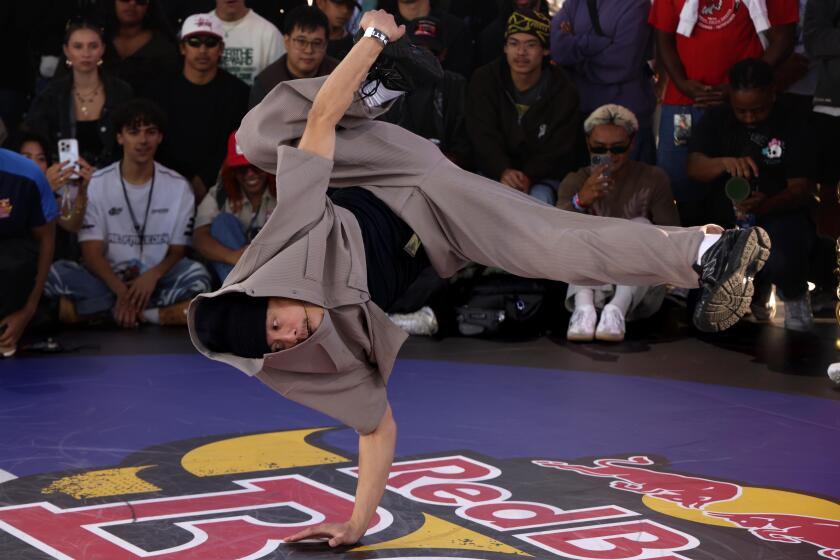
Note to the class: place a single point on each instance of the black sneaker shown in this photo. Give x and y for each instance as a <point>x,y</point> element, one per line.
<point>403,66</point>
<point>726,274</point>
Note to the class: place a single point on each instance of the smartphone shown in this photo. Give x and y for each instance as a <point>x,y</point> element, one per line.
<point>602,159</point>
<point>68,151</point>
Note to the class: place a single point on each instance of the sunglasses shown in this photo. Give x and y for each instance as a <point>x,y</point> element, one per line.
<point>618,149</point>
<point>138,2</point>
<point>196,42</point>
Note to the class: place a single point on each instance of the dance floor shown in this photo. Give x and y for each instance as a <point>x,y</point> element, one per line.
<point>665,446</point>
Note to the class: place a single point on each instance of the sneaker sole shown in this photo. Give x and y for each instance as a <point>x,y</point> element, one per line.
<point>580,337</point>
<point>730,299</point>
<point>605,337</point>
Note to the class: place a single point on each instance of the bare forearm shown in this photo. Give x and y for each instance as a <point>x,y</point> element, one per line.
<point>173,255</point>
<point>46,248</point>
<point>338,91</point>
<point>209,248</point>
<point>376,453</point>
<point>666,54</point>
<point>781,40</point>
<point>702,168</point>
<point>96,262</point>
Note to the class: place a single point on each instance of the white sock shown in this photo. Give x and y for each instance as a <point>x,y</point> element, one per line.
<point>622,299</point>
<point>151,316</point>
<point>585,299</point>
<point>382,95</point>
<point>709,239</point>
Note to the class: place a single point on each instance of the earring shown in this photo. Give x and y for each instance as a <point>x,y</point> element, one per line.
<point>99,62</point>
<point>68,63</point>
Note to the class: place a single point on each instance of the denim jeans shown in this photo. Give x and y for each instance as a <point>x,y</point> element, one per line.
<point>673,158</point>
<point>227,230</point>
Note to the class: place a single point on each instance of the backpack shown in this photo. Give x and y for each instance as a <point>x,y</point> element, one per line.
<point>493,302</point>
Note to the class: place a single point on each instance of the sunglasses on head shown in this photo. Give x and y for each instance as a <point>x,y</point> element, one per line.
<point>618,149</point>
<point>196,41</point>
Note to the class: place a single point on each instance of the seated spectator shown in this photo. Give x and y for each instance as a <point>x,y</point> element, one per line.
<point>761,140</point>
<point>490,43</point>
<point>233,212</point>
<point>435,111</point>
<point>697,43</point>
<point>70,192</point>
<point>522,113</point>
<point>251,41</point>
<point>453,32</point>
<point>27,233</point>
<point>614,186</point>
<point>822,37</point>
<point>305,37</point>
<point>140,42</point>
<point>204,105</point>
<point>79,105</point>
<point>135,234</point>
<point>607,59</point>
<point>338,14</point>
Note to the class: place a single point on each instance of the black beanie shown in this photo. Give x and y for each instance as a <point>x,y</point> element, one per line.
<point>233,323</point>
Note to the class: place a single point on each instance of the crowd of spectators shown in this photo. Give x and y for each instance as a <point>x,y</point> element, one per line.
<point>123,193</point>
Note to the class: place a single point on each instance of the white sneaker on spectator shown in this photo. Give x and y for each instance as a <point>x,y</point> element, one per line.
<point>8,351</point>
<point>798,315</point>
<point>582,324</point>
<point>420,323</point>
<point>611,326</point>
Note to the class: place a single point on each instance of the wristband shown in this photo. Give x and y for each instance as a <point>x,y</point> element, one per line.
<point>373,33</point>
<point>577,205</point>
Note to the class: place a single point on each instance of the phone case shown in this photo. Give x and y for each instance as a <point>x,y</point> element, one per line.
<point>68,150</point>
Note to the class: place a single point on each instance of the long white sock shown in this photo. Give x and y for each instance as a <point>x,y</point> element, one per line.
<point>382,95</point>
<point>623,298</point>
<point>151,316</point>
<point>585,298</point>
<point>708,240</point>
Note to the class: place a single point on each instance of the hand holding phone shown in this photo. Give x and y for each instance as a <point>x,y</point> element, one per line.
<point>68,151</point>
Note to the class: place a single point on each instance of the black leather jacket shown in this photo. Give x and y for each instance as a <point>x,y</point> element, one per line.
<point>53,114</point>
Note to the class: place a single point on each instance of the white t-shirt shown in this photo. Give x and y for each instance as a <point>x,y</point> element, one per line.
<point>251,44</point>
<point>108,217</point>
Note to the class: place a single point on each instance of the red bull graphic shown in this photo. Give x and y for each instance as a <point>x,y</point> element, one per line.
<point>773,527</point>
<point>689,492</point>
<point>709,497</point>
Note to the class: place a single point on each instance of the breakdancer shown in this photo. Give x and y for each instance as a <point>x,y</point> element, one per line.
<point>303,308</point>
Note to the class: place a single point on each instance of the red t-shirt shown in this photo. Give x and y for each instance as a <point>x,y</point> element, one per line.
<point>723,35</point>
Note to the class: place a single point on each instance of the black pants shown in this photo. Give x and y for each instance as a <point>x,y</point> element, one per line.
<point>793,236</point>
<point>391,269</point>
<point>18,267</point>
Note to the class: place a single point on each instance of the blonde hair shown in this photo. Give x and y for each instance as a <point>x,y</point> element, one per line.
<point>613,114</point>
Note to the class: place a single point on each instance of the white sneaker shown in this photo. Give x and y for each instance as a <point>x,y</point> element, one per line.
<point>834,372</point>
<point>798,315</point>
<point>8,352</point>
<point>582,324</point>
<point>421,323</point>
<point>611,326</point>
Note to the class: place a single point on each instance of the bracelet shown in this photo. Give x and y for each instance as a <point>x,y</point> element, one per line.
<point>577,205</point>
<point>373,33</point>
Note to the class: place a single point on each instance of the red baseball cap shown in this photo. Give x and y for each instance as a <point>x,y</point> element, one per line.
<point>235,157</point>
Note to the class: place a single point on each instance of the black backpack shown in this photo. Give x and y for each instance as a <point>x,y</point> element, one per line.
<point>493,302</point>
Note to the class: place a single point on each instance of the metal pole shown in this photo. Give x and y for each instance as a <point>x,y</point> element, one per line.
<point>834,369</point>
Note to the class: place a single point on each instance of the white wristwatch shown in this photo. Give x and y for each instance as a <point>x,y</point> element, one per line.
<point>376,34</point>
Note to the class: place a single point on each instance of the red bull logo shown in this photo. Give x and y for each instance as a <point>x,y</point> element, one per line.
<point>705,500</point>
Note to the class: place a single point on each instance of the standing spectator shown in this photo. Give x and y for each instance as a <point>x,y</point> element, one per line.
<point>79,105</point>
<point>70,193</point>
<point>233,212</point>
<point>490,42</point>
<point>822,40</point>
<point>27,234</point>
<point>453,32</point>
<point>140,41</point>
<point>136,231</point>
<point>763,141</point>
<point>435,111</point>
<point>621,188</point>
<point>698,41</point>
<point>338,14</point>
<point>605,46</point>
<point>305,38</point>
<point>523,113</point>
<point>251,41</point>
<point>204,104</point>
